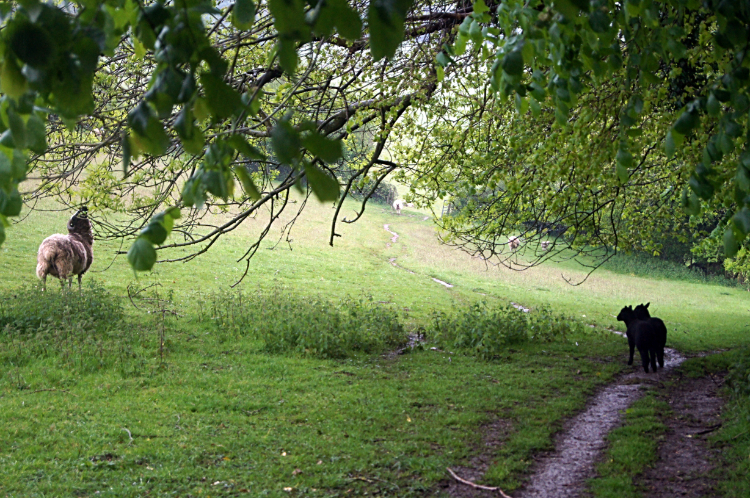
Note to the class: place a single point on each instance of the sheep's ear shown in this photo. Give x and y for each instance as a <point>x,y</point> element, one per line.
<point>647,304</point>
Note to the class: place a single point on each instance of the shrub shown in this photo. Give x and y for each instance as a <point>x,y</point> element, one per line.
<point>312,326</point>
<point>385,193</point>
<point>487,331</point>
<point>29,309</point>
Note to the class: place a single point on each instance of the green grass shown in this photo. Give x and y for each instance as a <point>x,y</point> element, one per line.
<point>89,401</point>
<point>632,447</point>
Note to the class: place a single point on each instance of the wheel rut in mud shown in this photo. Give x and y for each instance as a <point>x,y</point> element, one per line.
<point>563,473</point>
<point>685,459</point>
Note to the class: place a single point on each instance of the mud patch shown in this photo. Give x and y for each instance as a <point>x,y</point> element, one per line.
<point>685,460</point>
<point>563,473</point>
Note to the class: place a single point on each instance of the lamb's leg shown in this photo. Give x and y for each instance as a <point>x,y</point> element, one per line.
<point>660,357</point>
<point>79,282</point>
<point>644,358</point>
<point>631,343</point>
<point>62,284</point>
<point>653,360</point>
<point>44,282</point>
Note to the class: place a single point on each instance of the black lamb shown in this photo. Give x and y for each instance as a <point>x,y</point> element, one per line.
<point>660,330</point>
<point>63,256</point>
<point>645,334</point>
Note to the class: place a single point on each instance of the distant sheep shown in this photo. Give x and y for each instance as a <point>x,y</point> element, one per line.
<point>514,242</point>
<point>649,335</point>
<point>63,256</point>
<point>545,245</point>
<point>399,204</point>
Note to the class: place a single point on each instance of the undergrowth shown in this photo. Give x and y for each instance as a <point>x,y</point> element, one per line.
<point>488,331</point>
<point>310,326</point>
<point>643,265</point>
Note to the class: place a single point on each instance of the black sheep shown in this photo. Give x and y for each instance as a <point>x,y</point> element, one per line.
<point>658,327</point>
<point>643,334</point>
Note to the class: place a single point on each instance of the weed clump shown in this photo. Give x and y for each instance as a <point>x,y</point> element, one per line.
<point>488,332</point>
<point>313,326</point>
<point>29,310</point>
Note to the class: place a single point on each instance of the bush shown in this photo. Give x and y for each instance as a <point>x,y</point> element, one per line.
<point>487,332</point>
<point>309,326</point>
<point>29,309</point>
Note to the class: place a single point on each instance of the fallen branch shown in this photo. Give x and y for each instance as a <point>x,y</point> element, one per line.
<point>477,486</point>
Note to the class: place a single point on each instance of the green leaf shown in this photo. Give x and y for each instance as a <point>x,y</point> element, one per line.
<point>568,8</point>
<point>142,255</point>
<point>10,204</point>
<point>327,150</point>
<point>385,20</point>
<point>221,99</point>
<point>126,152</point>
<point>513,62</point>
<point>36,134</point>
<point>690,202</point>
<point>686,122</point>
<point>285,142</point>
<point>346,19</point>
<point>731,245</point>
<point>480,7</point>
<point>240,145</point>
<point>536,109</point>
<point>31,44</point>
<point>216,183</point>
<point>154,232</point>
<point>701,187</point>
<point>243,14</point>
<point>322,184</point>
<point>17,128</point>
<point>741,221</point>
<point>669,145</point>
<point>713,106</point>
<point>12,81</point>
<point>599,21</point>
<point>287,52</point>
<point>6,173</point>
<point>247,183</point>
<point>18,165</point>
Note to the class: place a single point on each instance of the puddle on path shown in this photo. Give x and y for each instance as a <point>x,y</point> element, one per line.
<point>564,472</point>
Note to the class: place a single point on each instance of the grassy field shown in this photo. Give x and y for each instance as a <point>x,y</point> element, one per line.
<point>90,402</point>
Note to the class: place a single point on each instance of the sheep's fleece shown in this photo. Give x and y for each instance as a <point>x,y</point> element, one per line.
<point>63,256</point>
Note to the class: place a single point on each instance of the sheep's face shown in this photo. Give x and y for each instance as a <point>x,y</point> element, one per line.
<point>625,313</point>
<point>641,312</point>
<point>79,222</point>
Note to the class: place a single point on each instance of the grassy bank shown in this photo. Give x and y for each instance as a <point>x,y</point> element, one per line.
<point>202,392</point>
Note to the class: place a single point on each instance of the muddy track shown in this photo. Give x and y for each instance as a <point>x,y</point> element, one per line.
<point>685,460</point>
<point>563,473</point>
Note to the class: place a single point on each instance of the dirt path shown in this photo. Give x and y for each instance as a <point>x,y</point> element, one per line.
<point>392,261</point>
<point>564,472</point>
<point>685,459</point>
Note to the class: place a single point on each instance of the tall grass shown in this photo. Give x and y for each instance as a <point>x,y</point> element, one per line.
<point>314,326</point>
<point>643,265</point>
<point>487,331</point>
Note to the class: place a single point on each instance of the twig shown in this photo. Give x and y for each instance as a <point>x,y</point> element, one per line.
<point>705,431</point>
<point>477,486</point>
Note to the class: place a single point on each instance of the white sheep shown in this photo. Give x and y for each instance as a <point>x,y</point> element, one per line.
<point>63,256</point>
<point>399,204</point>
<point>545,245</point>
<point>514,242</point>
